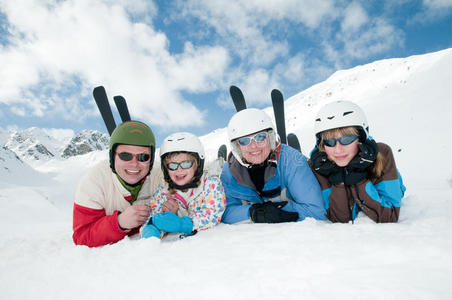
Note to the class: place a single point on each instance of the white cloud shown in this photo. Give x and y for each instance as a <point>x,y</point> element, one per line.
<point>354,17</point>
<point>377,38</point>
<point>241,24</point>
<point>437,4</point>
<point>256,32</point>
<point>96,42</point>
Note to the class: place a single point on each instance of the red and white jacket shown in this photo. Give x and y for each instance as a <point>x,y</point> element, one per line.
<point>99,198</point>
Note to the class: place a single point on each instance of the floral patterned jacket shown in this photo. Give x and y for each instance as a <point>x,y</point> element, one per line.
<point>204,204</point>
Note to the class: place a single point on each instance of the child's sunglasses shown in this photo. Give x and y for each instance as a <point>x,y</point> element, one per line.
<point>344,140</point>
<point>258,138</point>
<point>186,164</point>
<point>141,157</point>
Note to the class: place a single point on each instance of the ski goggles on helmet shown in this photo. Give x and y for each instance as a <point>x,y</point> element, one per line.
<point>344,140</point>
<point>186,164</point>
<point>141,157</point>
<point>258,138</point>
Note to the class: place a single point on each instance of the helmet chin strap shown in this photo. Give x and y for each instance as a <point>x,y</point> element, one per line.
<point>192,184</point>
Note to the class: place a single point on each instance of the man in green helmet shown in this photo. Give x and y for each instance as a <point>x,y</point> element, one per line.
<point>111,199</point>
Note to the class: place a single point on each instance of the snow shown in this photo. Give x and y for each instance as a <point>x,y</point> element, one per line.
<point>408,108</point>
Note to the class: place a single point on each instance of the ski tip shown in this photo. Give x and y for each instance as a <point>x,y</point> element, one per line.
<point>234,88</point>
<point>276,92</point>
<point>99,90</point>
<point>293,141</point>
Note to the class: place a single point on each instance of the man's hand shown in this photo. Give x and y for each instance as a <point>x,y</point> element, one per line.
<point>133,216</point>
<point>170,204</point>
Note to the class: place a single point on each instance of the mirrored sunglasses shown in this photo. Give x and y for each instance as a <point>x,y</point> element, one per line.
<point>344,140</point>
<point>141,157</point>
<point>186,164</point>
<point>258,138</point>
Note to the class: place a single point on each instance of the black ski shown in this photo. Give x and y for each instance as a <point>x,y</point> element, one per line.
<point>123,110</point>
<point>237,98</point>
<point>223,152</point>
<point>278,109</point>
<point>293,142</point>
<point>103,105</point>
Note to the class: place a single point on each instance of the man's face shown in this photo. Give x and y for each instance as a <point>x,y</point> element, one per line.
<point>131,171</point>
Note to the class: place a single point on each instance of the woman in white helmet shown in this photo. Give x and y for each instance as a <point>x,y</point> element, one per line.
<point>191,198</point>
<point>355,173</point>
<point>265,181</point>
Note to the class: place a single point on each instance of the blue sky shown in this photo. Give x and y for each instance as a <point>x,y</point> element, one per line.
<point>174,60</point>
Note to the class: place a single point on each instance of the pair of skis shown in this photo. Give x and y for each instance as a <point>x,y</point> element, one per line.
<point>100,96</point>
<point>278,109</point>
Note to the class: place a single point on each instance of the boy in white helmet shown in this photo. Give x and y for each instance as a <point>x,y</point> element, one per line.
<point>355,173</point>
<point>191,197</point>
<point>264,180</point>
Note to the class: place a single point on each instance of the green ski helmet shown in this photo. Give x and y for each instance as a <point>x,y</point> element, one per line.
<point>133,133</point>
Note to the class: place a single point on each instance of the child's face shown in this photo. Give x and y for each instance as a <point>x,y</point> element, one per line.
<point>181,176</point>
<point>342,154</point>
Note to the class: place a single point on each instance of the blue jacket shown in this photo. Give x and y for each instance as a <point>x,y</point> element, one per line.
<point>291,174</point>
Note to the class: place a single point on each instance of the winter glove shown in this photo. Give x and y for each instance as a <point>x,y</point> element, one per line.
<point>170,222</point>
<point>367,153</point>
<point>150,230</point>
<point>356,170</point>
<point>326,167</point>
<point>271,212</point>
<point>322,164</point>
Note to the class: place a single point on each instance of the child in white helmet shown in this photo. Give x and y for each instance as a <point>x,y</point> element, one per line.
<point>355,173</point>
<point>191,198</point>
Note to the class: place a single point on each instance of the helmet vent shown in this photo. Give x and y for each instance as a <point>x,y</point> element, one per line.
<point>330,118</point>
<point>318,120</point>
<point>347,113</point>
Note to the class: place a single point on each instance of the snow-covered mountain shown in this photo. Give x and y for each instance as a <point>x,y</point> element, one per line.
<point>408,104</point>
<point>36,144</point>
<point>85,142</point>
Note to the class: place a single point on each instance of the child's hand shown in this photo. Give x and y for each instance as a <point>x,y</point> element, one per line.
<point>170,204</point>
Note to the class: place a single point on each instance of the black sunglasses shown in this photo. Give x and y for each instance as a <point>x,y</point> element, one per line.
<point>141,157</point>
<point>344,140</point>
<point>186,164</point>
<point>258,138</point>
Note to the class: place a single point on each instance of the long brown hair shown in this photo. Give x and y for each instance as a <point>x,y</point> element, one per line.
<point>375,170</point>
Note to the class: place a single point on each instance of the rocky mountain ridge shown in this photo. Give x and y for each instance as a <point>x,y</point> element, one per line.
<point>36,144</point>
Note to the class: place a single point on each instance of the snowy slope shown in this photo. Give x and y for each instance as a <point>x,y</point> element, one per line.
<point>407,102</point>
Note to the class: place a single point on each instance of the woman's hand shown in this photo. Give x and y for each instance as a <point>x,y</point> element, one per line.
<point>170,204</point>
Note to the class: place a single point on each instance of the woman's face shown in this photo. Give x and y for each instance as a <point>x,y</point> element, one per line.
<point>256,152</point>
<point>181,176</point>
<point>342,154</point>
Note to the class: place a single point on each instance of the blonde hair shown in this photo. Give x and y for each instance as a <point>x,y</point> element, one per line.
<point>375,169</point>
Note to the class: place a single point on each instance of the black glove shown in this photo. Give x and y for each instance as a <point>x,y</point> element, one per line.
<point>326,167</point>
<point>322,164</point>
<point>356,170</point>
<point>367,154</point>
<point>271,212</point>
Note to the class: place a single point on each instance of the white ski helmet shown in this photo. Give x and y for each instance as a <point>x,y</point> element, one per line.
<point>246,122</point>
<point>341,114</point>
<point>183,142</point>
